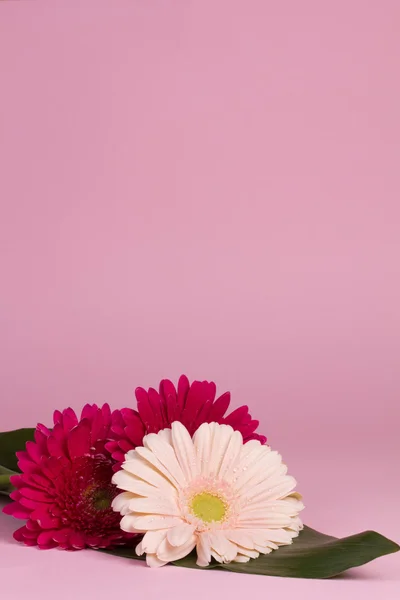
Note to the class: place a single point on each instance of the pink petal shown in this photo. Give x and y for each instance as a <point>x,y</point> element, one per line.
<point>55,446</point>
<point>171,408</point>
<point>16,510</point>
<point>77,540</point>
<point>248,428</point>
<point>212,390</point>
<point>183,388</point>
<point>29,535</point>
<point>53,466</point>
<point>45,538</point>
<point>203,415</point>
<point>30,504</point>
<point>194,401</point>
<point>236,417</point>
<point>40,481</point>
<point>118,456</point>
<point>167,388</point>
<point>135,433</point>
<point>15,495</point>
<point>47,522</point>
<point>25,463</point>
<point>255,436</point>
<point>62,536</point>
<point>70,420</point>
<point>41,441</point>
<point>145,410</point>
<point>106,412</point>
<point>98,428</point>
<point>43,429</point>
<point>79,440</point>
<point>56,442</point>
<point>32,525</point>
<point>19,534</point>
<point>111,446</point>
<point>33,494</point>
<point>57,417</point>
<point>88,411</point>
<point>17,481</point>
<point>118,430</point>
<point>125,446</point>
<point>122,417</point>
<point>220,407</point>
<point>155,402</point>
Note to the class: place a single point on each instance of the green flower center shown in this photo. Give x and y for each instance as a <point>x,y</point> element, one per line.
<point>208,507</point>
<point>100,499</point>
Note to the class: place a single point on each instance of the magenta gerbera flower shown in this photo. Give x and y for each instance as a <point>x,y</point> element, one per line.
<point>191,404</point>
<point>65,490</point>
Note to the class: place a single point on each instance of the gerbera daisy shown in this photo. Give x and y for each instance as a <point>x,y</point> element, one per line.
<point>229,500</point>
<point>65,489</point>
<point>191,404</point>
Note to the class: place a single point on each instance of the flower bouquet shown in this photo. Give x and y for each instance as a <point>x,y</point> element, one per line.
<point>176,480</point>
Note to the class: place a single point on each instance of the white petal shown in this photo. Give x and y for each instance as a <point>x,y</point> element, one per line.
<point>203,550</point>
<point>276,507</point>
<point>249,468</point>
<point>220,442</point>
<point>174,476</point>
<point>130,483</point>
<point>150,522</point>
<point>232,454</point>
<point>143,470</point>
<point>220,544</point>
<point>153,561</point>
<point>296,525</point>
<point>184,450</point>
<point>139,549</point>
<point>240,537</point>
<point>179,535</point>
<point>167,552</point>
<point>165,434</point>
<point>163,505</point>
<point>283,488</point>
<point>241,559</point>
<point>165,454</point>
<point>263,537</point>
<point>202,447</point>
<point>249,553</point>
<point>152,539</point>
<point>260,521</point>
<point>217,556</point>
<point>121,501</point>
<point>266,549</point>
<point>128,524</point>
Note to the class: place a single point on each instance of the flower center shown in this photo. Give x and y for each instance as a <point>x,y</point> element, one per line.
<point>99,498</point>
<point>208,507</point>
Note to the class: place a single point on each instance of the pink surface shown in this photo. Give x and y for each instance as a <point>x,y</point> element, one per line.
<point>209,187</point>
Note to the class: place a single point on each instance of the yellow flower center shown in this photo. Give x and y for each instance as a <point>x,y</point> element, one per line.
<point>208,507</point>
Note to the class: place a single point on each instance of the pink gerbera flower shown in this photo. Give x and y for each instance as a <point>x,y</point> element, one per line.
<point>191,404</point>
<point>65,490</point>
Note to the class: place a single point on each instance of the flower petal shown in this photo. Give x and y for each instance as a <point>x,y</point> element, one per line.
<point>150,522</point>
<point>180,534</point>
<point>79,440</point>
<point>163,505</point>
<point>184,450</point>
<point>168,553</point>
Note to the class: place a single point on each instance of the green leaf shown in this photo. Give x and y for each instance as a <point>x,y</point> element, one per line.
<point>312,555</point>
<point>10,443</point>
<point>6,486</point>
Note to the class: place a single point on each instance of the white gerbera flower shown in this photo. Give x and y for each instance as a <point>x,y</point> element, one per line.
<point>229,500</point>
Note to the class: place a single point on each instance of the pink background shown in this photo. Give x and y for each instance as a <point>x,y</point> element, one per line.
<point>209,187</point>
